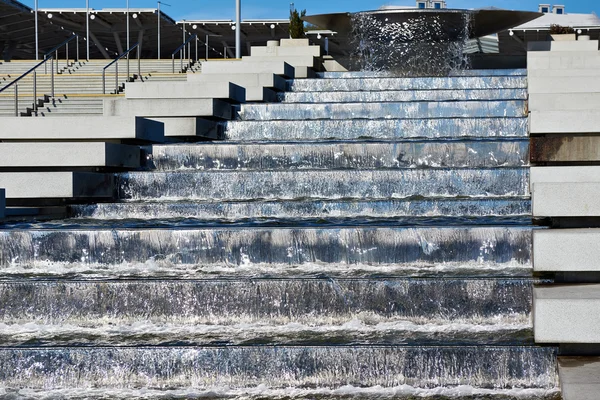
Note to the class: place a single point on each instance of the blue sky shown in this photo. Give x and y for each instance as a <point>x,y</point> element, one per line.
<point>225,9</point>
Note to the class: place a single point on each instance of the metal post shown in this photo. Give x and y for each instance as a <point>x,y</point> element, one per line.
<point>116,77</point>
<point>158,7</point>
<point>17,99</point>
<point>183,41</point>
<point>87,32</point>
<point>52,78</point>
<point>238,28</point>
<point>77,43</point>
<point>56,57</point>
<point>139,63</point>
<point>35,92</point>
<point>36,31</point>
<point>206,58</point>
<point>67,53</point>
<point>127,43</point>
<point>196,48</point>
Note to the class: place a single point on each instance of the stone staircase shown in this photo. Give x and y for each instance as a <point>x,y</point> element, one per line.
<point>366,237</point>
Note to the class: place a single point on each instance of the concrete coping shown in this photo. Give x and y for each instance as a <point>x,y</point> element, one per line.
<point>186,90</point>
<point>572,292</point>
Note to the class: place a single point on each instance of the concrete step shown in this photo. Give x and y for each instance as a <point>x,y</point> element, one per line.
<point>68,155</point>
<point>565,149</point>
<point>403,110</point>
<point>564,121</point>
<point>248,80</point>
<point>566,314</point>
<point>186,90</point>
<point>79,128</point>
<point>563,84</point>
<point>391,74</point>
<point>56,185</point>
<point>567,250</point>
<point>168,108</point>
<point>560,101</point>
<point>563,60</point>
<point>241,67</point>
<point>579,377</point>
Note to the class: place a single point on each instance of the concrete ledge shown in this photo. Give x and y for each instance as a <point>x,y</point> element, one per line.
<point>564,101</point>
<point>563,60</point>
<point>185,90</point>
<point>168,108</point>
<point>567,45</point>
<point>566,199</point>
<point>563,84</point>
<point>579,377</point>
<point>285,51</point>
<point>565,148</point>
<point>244,67</point>
<point>247,81</point>
<point>2,203</point>
<point>68,154</point>
<point>81,128</point>
<point>295,61</point>
<point>566,314</point>
<point>563,73</point>
<point>565,174</point>
<point>564,121</point>
<point>53,185</point>
<point>567,250</point>
<point>190,127</point>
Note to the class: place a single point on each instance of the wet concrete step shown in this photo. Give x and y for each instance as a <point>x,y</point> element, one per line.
<point>402,110</point>
<point>382,129</point>
<point>73,251</point>
<point>266,311</point>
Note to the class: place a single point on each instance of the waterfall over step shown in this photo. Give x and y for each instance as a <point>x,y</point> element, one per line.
<point>365,237</point>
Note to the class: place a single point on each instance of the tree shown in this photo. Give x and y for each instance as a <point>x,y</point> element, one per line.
<point>296,24</point>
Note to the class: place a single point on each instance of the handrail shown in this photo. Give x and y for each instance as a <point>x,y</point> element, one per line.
<point>33,69</point>
<point>179,49</point>
<point>126,53</point>
<point>65,43</point>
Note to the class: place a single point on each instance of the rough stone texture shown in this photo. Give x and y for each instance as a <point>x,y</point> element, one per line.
<point>564,121</point>
<point>81,128</point>
<point>569,250</point>
<point>247,81</point>
<point>564,101</point>
<point>168,108</point>
<point>185,90</point>
<point>567,314</point>
<point>68,154</point>
<point>579,377</point>
<point>189,127</point>
<point>49,185</point>
<point>565,148</point>
<point>565,199</point>
<point>245,67</point>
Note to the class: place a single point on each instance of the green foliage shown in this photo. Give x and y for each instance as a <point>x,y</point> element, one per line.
<point>296,24</point>
<point>556,29</point>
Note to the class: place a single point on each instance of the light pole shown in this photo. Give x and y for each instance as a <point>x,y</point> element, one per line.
<point>238,30</point>
<point>158,12</point>
<point>87,28</point>
<point>36,31</point>
<point>127,27</point>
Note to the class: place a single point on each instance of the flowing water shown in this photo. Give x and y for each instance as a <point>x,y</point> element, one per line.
<point>366,237</point>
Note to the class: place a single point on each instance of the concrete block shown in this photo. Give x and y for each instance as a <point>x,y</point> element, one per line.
<point>56,185</point>
<point>573,84</point>
<point>168,108</point>
<point>566,314</point>
<point>563,73</point>
<point>565,199</point>
<point>567,250</point>
<point>565,174</point>
<point>565,148</point>
<point>68,154</point>
<point>294,43</point>
<point>566,45</point>
<point>2,203</point>
<point>185,90</point>
<point>294,61</point>
<point>564,121</point>
<point>267,80</point>
<point>569,60</point>
<point>331,65</point>
<point>579,377</point>
<point>81,128</point>
<point>244,67</point>
<point>190,127</point>
<point>564,101</point>
<point>258,51</point>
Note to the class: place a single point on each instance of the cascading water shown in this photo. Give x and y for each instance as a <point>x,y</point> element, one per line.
<point>366,237</point>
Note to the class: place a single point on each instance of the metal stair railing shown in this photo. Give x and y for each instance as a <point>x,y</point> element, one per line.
<point>181,50</point>
<point>115,61</point>
<point>65,44</point>
<point>33,70</point>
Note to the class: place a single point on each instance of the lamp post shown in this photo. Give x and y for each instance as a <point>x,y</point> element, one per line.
<point>36,31</point>
<point>238,31</point>
<point>127,27</point>
<point>87,28</point>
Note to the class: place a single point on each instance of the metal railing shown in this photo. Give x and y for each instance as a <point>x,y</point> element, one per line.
<point>115,61</point>
<point>64,44</point>
<point>33,70</point>
<point>182,54</point>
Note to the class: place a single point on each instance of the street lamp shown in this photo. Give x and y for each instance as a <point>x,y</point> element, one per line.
<point>36,31</point>
<point>238,32</point>
<point>87,28</point>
